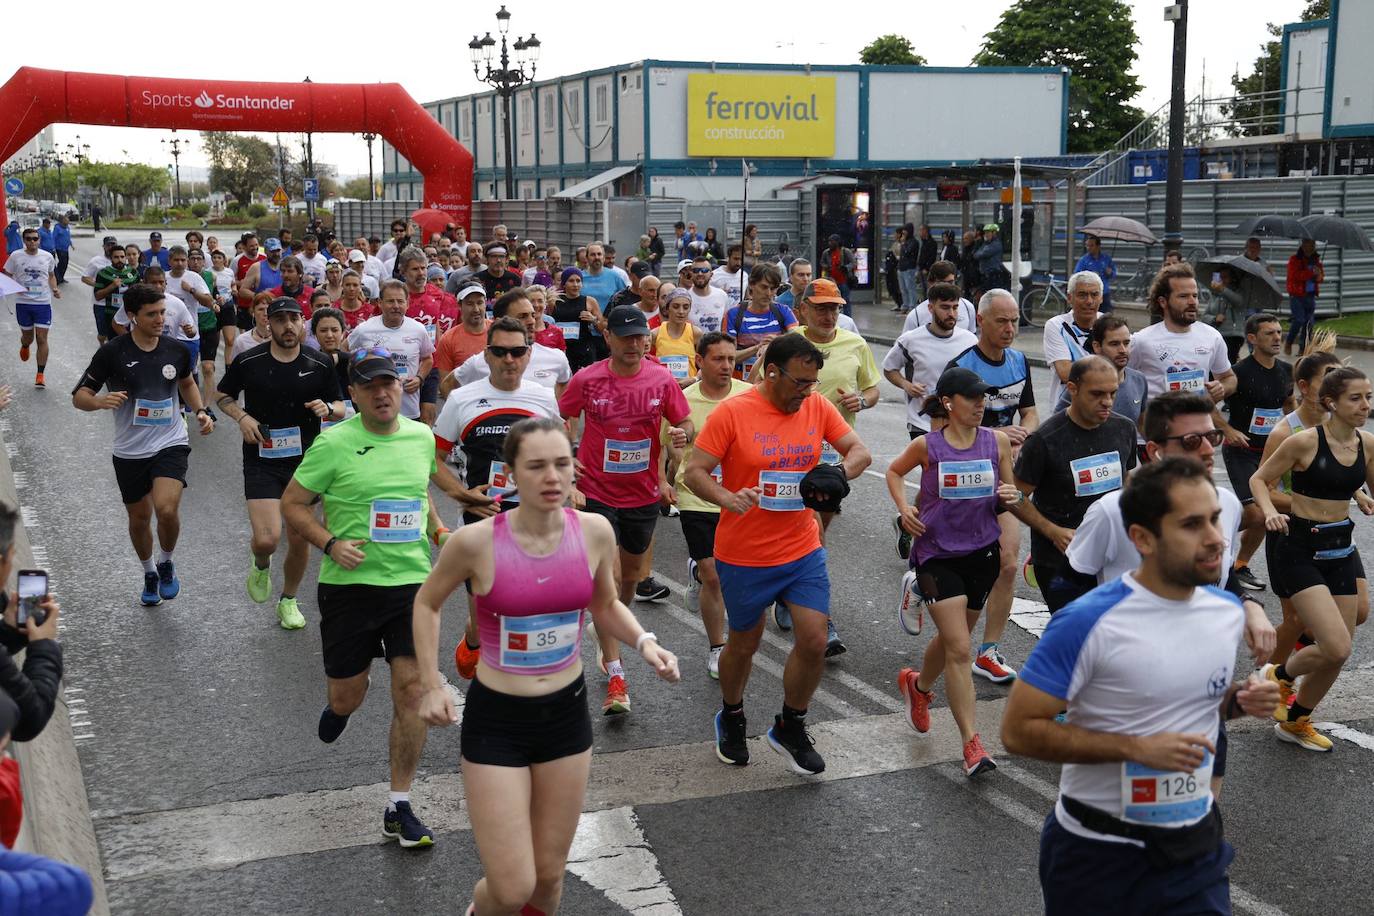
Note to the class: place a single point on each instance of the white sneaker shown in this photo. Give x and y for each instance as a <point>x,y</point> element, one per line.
<point>713,663</point>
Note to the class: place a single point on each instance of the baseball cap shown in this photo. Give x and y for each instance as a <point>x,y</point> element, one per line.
<point>283,304</point>
<point>823,291</point>
<point>626,321</point>
<point>372,365</point>
<point>272,244</point>
<point>641,269</point>
<point>107,241</point>
<point>961,381</point>
<point>355,256</point>
<point>470,289</point>
<point>684,264</point>
<point>992,227</point>
<point>154,236</point>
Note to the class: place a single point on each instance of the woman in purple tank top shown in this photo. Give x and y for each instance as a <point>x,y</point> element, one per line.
<point>535,573</point>
<point>966,477</point>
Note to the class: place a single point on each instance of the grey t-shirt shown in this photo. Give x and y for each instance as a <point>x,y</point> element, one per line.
<point>1131,396</point>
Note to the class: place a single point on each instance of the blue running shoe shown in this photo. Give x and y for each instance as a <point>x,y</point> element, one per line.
<point>331,726</point>
<point>796,747</point>
<point>731,746</point>
<point>400,823</point>
<point>168,585</point>
<point>150,596</point>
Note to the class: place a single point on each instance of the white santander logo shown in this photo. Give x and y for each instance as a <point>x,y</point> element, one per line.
<point>204,101</point>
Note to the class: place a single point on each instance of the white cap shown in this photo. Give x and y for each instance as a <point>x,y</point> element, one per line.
<point>356,255</point>
<point>469,290</point>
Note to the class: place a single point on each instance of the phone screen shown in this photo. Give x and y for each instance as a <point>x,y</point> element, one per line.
<point>33,585</point>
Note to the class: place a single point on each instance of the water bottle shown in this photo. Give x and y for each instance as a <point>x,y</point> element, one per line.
<point>911,605</point>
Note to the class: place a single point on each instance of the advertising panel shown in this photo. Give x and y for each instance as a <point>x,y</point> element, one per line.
<point>734,114</point>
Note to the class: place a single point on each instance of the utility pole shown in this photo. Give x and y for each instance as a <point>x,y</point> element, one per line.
<point>1173,189</point>
<point>174,147</point>
<point>309,172</point>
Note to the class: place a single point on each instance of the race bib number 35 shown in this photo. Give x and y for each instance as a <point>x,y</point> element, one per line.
<point>1096,474</point>
<point>540,641</point>
<point>781,491</point>
<point>967,479</point>
<point>626,457</point>
<point>396,521</point>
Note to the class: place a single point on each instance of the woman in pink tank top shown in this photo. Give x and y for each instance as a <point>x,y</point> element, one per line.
<point>535,573</point>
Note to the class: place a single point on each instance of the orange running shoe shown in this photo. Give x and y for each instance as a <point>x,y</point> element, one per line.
<point>917,700</point>
<point>977,760</point>
<point>617,701</point>
<point>24,354</point>
<point>38,381</point>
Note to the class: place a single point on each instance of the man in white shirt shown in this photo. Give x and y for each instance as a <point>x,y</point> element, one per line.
<point>966,316</point>
<point>98,263</point>
<point>708,302</point>
<point>1066,335</point>
<point>731,276</point>
<point>399,230</point>
<point>180,323</point>
<point>1178,353</point>
<point>409,342</point>
<point>547,366</point>
<point>372,265</point>
<point>919,356</point>
<point>313,262</point>
<point>35,270</point>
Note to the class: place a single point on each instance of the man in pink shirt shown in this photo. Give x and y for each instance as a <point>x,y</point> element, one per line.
<point>623,401</point>
<point>428,304</point>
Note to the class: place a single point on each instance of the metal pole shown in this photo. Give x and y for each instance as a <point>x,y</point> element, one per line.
<point>1173,192</point>
<point>1016,227</point>
<point>310,173</point>
<point>371,182</point>
<point>510,168</point>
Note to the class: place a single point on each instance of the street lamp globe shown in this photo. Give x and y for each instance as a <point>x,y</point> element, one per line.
<point>503,19</point>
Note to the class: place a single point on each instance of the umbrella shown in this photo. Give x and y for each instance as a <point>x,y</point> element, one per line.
<point>1336,230</point>
<point>1257,285</point>
<point>1274,226</point>
<point>1120,229</point>
<point>9,285</point>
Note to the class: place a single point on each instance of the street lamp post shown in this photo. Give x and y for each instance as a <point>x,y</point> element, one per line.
<point>507,79</point>
<point>174,147</point>
<point>371,182</point>
<point>1177,13</point>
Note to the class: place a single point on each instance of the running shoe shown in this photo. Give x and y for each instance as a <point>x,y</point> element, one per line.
<point>465,658</point>
<point>693,595</point>
<point>993,666</point>
<point>713,663</point>
<point>289,614</point>
<point>24,354</point>
<point>782,616</point>
<point>833,645</point>
<point>168,585</point>
<point>917,700</point>
<point>38,381</point>
<point>617,701</point>
<point>977,760</point>
<point>259,581</point>
<point>651,589</point>
<point>1286,692</point>
<point>903,539</point>
<point>1247,580</point>
<point>731,747</point>
<point>400,823</point>
<point>331,726</point>
<point>1301,733</point>
<point>796,746</point>
<point>150,596</point>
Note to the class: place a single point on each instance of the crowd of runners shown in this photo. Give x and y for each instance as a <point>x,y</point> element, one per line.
<point>566,409</point>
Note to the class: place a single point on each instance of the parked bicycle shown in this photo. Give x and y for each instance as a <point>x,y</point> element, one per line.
<point>1048,296</point>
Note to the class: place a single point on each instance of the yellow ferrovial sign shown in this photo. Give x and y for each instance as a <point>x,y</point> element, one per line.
<point>732,114</point>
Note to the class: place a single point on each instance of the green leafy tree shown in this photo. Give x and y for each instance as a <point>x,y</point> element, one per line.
<point>241,165</point>
<point>1096,40</point>
<point>1253,117</point>
<point>891,49</point>
<point>356,188</point>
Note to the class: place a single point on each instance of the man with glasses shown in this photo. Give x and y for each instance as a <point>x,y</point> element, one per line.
<point>287,390</point>
<point>545,366</point>
<point>731,276</point>
<point>408,344</point>
<point>708,302</point>
<point>498,278</point>
<point>538,274</point>
<point>387,253</point>
<point>35,270</point>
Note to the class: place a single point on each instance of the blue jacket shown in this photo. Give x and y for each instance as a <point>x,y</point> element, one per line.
<point>45,240</point>
<point>1102,265</point>
<point>13,239</point>
<point>62,237</point>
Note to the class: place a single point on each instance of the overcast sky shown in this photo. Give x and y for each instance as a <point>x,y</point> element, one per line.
<point>386,44</point>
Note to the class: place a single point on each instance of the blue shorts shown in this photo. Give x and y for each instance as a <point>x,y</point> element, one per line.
<point>750,590</point>
<point>1079,875</point>
<point>33,314</point>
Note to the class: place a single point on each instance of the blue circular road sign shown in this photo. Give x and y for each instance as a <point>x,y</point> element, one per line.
<point>14,186</point>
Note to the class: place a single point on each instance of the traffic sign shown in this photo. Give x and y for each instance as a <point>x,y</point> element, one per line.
<point>14,186</point>
<point>312,190</point>
<point>279,198</point>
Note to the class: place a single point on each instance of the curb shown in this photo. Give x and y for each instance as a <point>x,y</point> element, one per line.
<point>57,814</point>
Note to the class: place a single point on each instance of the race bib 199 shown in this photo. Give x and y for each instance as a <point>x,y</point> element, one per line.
<point>967,479</point>
<point>626,457</point>
<point>1164,799</point>
<point>540,641</point>
<point>284,442</point>
<point>1185,379</point>
<point>1264,419</point>
<point>572,330</point>
<point>396,521</point>
<point>1096,474</point>
<point>781,491</point>
<point>679,366</point>
<point>154,413</point>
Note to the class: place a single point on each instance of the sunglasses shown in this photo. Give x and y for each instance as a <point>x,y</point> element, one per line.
<point>1191,442</point>
<point>701,270</point>
<point>30,238</point>
<point>802,384</point>
<point>371,351</point>
<point>503,352</point>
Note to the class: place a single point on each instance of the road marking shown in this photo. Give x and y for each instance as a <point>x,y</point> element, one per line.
<point>611,854</point>
<point>1347,733</point>
<point>883,477</point>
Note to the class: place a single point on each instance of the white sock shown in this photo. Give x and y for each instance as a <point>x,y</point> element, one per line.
<point>164,556</point>
<point>396,797</point>
<point>614,669</point>
<point>148,565</point>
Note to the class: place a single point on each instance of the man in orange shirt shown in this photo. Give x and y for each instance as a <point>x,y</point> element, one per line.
<point>768,544</point>
<point>465,339</point>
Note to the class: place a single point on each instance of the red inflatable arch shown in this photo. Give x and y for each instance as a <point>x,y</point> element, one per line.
<point>33,99</point>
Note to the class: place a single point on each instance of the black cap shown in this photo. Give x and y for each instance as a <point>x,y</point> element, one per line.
<point>627,321</point>
<point>284,304</point>
<point>109,240</point>
<point>961,381</point>
<point>641,269</point>
<point>372,366</point>
<point>154,236</point>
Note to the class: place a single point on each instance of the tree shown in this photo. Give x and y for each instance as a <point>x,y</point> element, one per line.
<point>356,188</point>
<point>891,49</point>
<point>1096,40</point>
<point>240,164</point>
<point>1253,117</point>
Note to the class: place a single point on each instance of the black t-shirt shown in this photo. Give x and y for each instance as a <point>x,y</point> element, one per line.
<point>275,394</point>
<point>1072,468</point>
<point>150,420</point>
<point>1258,387</point>
<point>501,283</point>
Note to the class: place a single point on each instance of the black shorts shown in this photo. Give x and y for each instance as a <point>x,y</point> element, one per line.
<point>266,478</point>
<point>209,344</point>
<point>104,320</point>
<point>1241,464</point>
<point>228,315</point>
<point>509,731</point>
<point>135,475</point>
<point>244,318</point>
<point>973,575</point>
<point>699,529</point>
<point>429,388</point>
<point>361,622</point>
<point>1061,584</point>
<point>1292,567</point>
<point>634,528</point>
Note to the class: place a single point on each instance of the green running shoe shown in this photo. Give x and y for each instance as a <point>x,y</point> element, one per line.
<point>289,615</point>
<point>259,581</point>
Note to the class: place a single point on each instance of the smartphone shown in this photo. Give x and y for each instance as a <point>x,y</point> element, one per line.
<point>33,586</point>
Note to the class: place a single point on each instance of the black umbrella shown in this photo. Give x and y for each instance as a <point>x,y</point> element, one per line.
<point>1257,285</point>
<point>1274,226</point>
<point>1119,229</point>
<point>1336,230</point>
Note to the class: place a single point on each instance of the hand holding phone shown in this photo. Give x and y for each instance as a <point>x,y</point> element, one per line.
<point>33,587</point>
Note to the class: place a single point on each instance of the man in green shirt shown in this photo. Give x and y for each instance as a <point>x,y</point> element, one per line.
<point>111,283</point>
<point>373,471</point>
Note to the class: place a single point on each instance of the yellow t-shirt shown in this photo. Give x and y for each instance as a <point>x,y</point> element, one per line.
<point>701,407</point>
<point>849,364</point>
<point>680,355</point>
